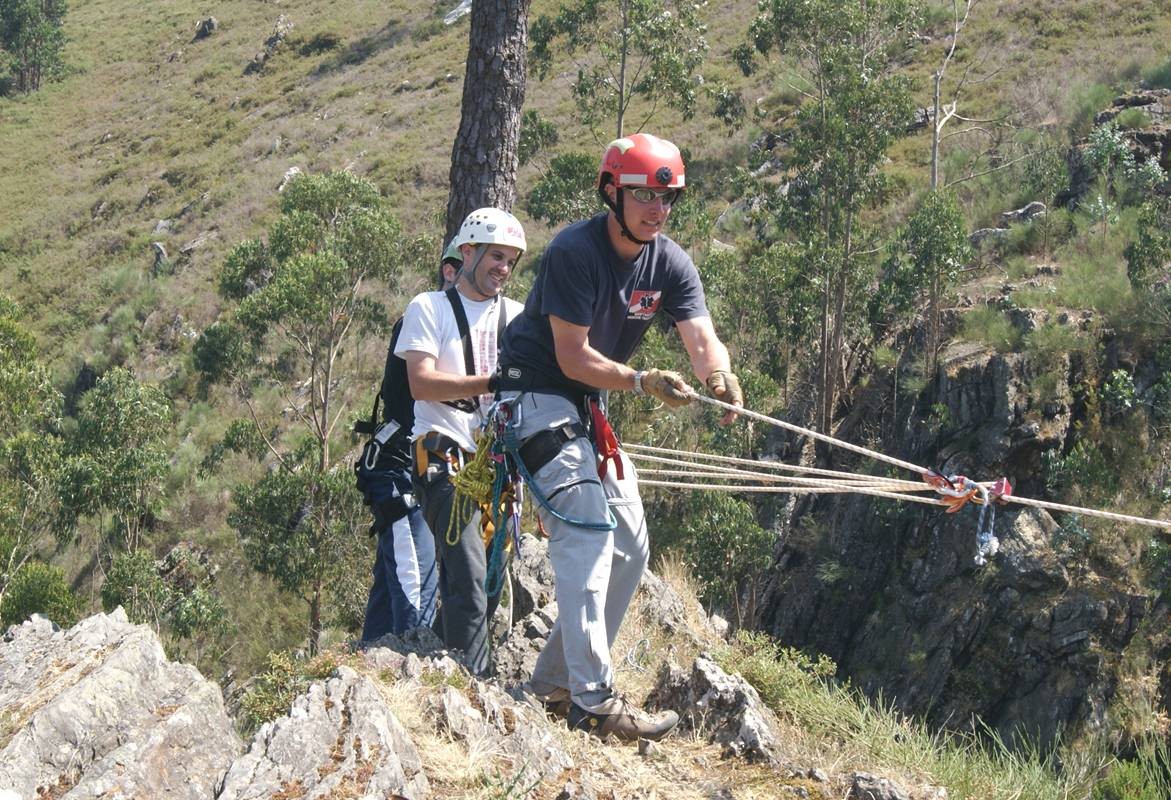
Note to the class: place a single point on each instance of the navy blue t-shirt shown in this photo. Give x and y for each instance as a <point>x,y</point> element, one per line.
<point>582,280</point>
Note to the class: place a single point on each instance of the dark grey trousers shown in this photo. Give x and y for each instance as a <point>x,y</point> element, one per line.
<point>465,607</point>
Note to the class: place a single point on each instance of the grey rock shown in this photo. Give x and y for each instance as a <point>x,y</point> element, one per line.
<point>532,577</point>
<point>338,736</point>
<point>290,173</point>
<point>865,786</point>
<point>979,237</point>
<point>1026,213</point>
<point>462,10</point>
<point>98,710</point>
<point>280,31</point>
<point>205,28</point>
<point>725,708</point>
<point>198,242</point>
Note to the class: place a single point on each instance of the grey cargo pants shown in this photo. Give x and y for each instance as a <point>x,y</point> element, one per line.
<point>597,571</point>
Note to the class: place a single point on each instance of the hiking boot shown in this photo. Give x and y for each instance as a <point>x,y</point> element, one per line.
<point>615,716</point>
<point>555,702</point>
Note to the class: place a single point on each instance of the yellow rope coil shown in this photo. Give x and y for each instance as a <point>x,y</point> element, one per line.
<point>475,482</point>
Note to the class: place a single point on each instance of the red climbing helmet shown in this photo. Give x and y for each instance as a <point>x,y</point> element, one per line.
<point>642,160</point>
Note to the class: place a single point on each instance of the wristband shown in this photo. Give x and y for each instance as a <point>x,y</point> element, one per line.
<point>638,383</point>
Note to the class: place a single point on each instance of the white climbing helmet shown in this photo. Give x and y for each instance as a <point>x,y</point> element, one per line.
<point>491,226</point>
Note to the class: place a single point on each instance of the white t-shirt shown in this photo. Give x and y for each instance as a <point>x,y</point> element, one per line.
<point>429,327</point>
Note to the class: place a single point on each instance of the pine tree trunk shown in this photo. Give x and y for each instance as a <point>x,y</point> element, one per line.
<point>484,157</point>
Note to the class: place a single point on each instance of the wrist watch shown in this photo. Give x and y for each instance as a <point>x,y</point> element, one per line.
<point>638,382</point>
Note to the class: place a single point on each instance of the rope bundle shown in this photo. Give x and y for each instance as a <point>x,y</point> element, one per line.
<point>933,488</point>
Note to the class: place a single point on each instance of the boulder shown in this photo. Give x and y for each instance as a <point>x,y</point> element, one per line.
<point>205,28</point>
<point>1026,213</point>
<point>339,738</point>
<point>99,711</point>
<point>865,786</point>
<point>724,708</point>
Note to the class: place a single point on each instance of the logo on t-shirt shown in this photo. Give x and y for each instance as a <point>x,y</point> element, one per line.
<point>643,304</point>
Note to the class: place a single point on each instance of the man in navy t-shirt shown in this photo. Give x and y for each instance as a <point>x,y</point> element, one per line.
<point>600,285</point>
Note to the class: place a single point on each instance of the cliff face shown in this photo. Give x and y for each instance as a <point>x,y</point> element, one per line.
<point>1031,642</point>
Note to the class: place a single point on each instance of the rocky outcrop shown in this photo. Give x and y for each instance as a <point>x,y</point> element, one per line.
<point>723,708</point>
<point>338,737</point>
<point>1030,643</point>
<point>280,31</point>
<point>99,711</point>
<point>205,28</point>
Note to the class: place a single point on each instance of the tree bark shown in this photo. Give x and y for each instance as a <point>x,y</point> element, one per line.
<point>484,157</point>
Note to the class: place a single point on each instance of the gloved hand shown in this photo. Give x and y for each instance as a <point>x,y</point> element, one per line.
<point>725,386</point>
<point>666,386</point>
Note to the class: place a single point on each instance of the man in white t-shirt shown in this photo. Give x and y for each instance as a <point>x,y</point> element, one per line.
<point>449,365</point>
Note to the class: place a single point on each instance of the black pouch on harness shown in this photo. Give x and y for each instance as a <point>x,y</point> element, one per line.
<point>382,471</point>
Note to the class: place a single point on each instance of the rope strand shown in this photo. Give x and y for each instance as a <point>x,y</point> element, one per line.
<point>865,484</point>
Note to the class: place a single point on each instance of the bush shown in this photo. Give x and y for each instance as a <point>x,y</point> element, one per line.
<point>133,583</point>
<point>1084,104</point>
<point>39,588</point>
<point>993,328</point>
<point>1159,77</point>
<point>566,190</point>
<point>1133,119</point>
<point>273,691</point>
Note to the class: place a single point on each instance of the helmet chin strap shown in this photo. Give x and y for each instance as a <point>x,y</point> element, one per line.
<point>618,209</point>
<point>470,272</point>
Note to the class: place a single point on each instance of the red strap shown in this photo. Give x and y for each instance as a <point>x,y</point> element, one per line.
<point>605,441</point>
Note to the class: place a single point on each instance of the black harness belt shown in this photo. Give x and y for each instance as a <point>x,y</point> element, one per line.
<point>541,448</point>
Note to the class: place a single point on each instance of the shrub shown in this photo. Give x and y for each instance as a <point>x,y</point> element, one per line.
<point>39,588</point>
<point>1159,77</point>
<point>1084,104</point>
<point>274,690</point>
<point>535,135</point>
<point>566,190</point>
<point>134,584</point>
<point>993,328</point>
<point>1133,119</point>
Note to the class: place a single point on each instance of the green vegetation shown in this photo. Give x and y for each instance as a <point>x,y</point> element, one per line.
<point>38,588</point>
<point>32,43</point>
<point>275,689</point>
<point>644,50</point>
<point>803,691</point>
<point>302,299</point>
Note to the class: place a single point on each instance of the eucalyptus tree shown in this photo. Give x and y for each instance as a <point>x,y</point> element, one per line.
<point>842,59</point>
<point>117,462</point>
<point>925,260</point>
<point>30,453</point>
<point>32,42</point>
<point>631,50</point>
<point>302,299</point>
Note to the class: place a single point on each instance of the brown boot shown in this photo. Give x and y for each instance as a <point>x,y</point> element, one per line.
<point>615,716</point>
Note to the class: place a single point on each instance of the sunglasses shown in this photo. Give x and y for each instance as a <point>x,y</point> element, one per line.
<point>646,195</point>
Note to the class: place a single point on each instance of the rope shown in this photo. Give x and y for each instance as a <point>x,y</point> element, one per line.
<point>716,487</point>
<point>971,487</point>
<point>774,465</point>
<point>844,486</point>
<point>744,412</point>
<point>715,469</point>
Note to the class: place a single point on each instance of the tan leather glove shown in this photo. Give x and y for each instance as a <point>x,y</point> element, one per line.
<point>725,386</point>
<point>666,386</point>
